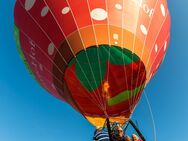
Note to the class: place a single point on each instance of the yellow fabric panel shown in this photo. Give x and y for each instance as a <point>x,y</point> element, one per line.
<point>99,121</point>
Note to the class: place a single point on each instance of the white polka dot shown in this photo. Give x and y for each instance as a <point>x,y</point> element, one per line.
<point>115,36</point>
<point>99,14</point>
<point>44,11</point>
<point>156,48</point>
<point>65,10</point>
<point>118,6</point>
<point>29,4</point>
<point>163,10</point>
<point>115,42</point>
<point>51,48</point>
<point>165,45</point>
<point>143,29</point>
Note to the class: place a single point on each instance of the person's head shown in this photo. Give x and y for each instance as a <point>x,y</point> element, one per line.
<point>120,131</point>
<point>114,127</point>
<point>135,137</point>
<point>127,138</point>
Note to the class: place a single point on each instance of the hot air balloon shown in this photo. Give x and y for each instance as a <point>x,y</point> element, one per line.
<point>96,55</point>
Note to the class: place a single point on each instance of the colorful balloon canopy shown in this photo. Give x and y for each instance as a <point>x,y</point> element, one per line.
<point>96,55</point>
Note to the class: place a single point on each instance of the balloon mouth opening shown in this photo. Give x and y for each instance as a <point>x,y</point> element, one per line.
<point>109,73</point>
<point>95,68</point>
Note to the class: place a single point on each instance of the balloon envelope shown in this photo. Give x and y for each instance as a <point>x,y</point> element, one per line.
<point>96,55</point>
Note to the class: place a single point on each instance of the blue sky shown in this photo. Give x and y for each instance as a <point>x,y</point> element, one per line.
<point>29,113</point>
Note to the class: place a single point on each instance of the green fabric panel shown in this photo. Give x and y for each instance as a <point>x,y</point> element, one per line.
<point>128,53</point>
<point>90,70</point>
<point>17,38</point>
<point>123,96</point>
<point>91,63</point>
<point>119,57</point>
